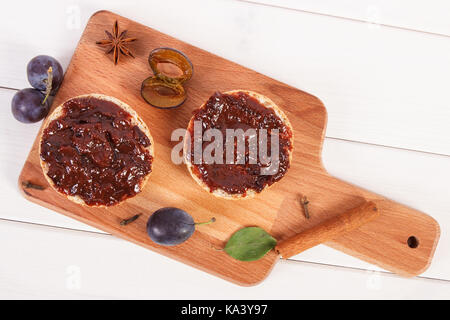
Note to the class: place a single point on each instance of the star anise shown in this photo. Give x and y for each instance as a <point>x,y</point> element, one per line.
<point>116,43</point>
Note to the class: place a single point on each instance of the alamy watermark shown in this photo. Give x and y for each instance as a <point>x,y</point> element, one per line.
<point>234,146</point>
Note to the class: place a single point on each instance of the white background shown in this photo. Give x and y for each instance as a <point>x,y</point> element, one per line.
<point>382,68</point>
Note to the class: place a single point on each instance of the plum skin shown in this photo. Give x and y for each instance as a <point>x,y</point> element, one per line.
<point>37,70</point>
<point>27,106</point>
<point>170,226</point>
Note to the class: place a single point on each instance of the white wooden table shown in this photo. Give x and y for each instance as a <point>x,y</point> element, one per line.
<point>381,67</point>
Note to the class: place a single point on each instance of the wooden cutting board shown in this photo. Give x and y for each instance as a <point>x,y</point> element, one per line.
<point>383,242</point>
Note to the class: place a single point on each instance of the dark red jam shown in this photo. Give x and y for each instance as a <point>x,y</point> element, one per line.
<point>240,111</point>
<point>94,151</point>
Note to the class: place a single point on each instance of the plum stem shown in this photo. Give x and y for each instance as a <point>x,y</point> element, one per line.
<point>49,82</point>
<point>204,223</point>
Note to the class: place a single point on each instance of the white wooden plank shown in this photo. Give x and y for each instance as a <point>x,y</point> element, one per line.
<point>397,174</point>
<point>427,16</point>
<point>381,85</point>
<point>67,265</point>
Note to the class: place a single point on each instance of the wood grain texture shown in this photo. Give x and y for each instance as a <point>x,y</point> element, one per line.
<point>382,241</point>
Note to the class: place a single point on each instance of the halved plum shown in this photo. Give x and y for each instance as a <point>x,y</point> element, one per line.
<point>171,68</point>
<point>168,63</point>
<point>162,94</point>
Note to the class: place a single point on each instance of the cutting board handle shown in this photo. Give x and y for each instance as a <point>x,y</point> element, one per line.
<point>328,230</point>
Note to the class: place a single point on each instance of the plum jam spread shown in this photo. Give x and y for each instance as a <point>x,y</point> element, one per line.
<point>239,110</point>
<point>94,151</point>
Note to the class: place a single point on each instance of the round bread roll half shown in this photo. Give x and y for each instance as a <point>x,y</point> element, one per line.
<point>232,181</point>
<point>96,150</point>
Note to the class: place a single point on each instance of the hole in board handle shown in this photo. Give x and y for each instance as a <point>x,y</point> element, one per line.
<point>413,242</point>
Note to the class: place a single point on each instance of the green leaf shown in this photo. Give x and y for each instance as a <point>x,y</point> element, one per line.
<point>250,244</point>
